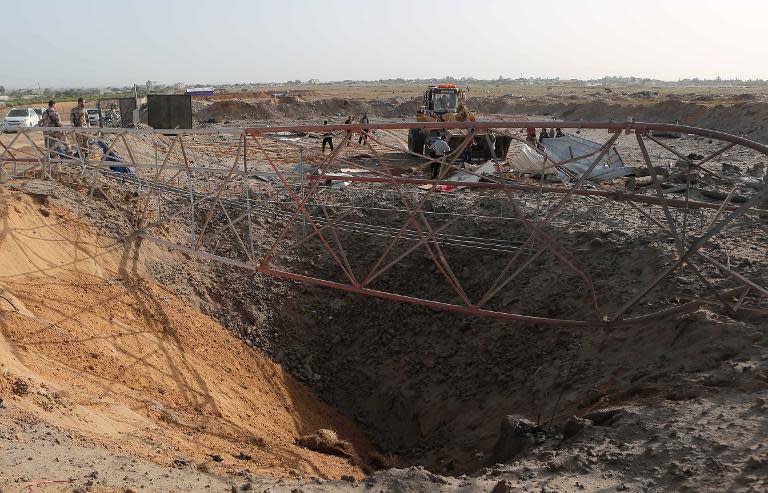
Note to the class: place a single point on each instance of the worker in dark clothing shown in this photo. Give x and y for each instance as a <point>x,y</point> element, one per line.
<point>559,133</point>
<point>543,135</point>
<point>364,134</point>
<point>327,138</point>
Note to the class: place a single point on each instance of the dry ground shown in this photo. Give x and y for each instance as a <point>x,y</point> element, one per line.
<point>99,361</point>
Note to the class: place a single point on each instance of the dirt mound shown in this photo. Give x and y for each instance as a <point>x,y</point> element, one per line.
<point>294,107</point>
<point>743,117</point>
<point>95,349</point>
<point>748,118</point>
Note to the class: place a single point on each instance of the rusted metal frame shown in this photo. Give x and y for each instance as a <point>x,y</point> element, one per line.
<point>570,260</point>
<point>7,149</point>
<point>41,153</point>
<point>499,285</point>
<point>130,152</point>
<point>185,160</point>
<point>704,256</point>
<point>741,299</point>
<point>169,181</point>
<point>734,274</point>
<point>205,198</point>
<point>270,253</point>
<point>680,241</point>
<point>659,192</point>
<point>312,234</point>
<point>716,153</point>
<point>438,257</point>
<point>548,243</point>
<point>692,250</point>
<point>410,220</point>
<point>342,252</point>
<point>301,209</point>
<point>680,251</point>
<point>495,289</point>
<point>429,303</point>
<point>410,250</point>
<point>216,199</point>
<point>246,177</point>
<point>743,309</point>
<point>685,209</point>
<point>667,312</point>
<point>234,230</point>
<point>260,268</point>
<point>500,282</point>
<point>445,268</point>
<point>685,158</point>
<point>156,181</point>
<point>722,206</point>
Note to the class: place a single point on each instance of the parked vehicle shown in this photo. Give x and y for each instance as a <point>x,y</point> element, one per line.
<point>93,117</point>
<point>20,117</point>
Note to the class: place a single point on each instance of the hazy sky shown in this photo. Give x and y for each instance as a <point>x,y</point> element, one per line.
<point>60,43</point>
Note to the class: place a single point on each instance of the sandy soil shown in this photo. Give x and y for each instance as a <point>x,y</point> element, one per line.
<point>92,349</point>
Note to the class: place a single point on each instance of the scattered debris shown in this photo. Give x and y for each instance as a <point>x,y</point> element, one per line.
<point>574,426</point>
<point>604,417</point>
<point>516,435</point>
<point>327,442</point>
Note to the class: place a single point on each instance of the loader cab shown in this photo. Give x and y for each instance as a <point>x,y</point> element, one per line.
<point>442,99</point>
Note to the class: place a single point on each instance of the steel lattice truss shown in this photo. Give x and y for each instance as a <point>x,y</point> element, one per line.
<point>270,201</point>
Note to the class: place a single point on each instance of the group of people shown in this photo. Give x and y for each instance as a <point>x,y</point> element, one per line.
<point>363,139</point>
<point>438,148</point>
<point>57,141</point>
<point>544,134</point>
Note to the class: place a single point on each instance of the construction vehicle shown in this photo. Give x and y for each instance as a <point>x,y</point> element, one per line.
<point>447,103</point>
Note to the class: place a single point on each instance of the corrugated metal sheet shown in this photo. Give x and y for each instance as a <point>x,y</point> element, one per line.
<point>570,146</point>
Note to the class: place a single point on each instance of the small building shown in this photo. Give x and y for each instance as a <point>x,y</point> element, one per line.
<point>199,91</point>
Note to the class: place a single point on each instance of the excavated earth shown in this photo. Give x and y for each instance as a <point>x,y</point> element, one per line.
<point>676,405</point>
<point>741,114</point>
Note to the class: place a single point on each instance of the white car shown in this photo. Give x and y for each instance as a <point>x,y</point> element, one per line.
<point>93,117</point>
<point>20,117</point>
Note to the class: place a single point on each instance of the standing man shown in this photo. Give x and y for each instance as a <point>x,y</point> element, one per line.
<point>54,141</point>
<point>79,118</point>
<point>364,134</point>
<point>327,138</point>
<point>438,149</point>
<point>348,135</point>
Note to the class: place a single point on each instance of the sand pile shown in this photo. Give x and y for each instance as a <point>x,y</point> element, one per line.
<point>747,118</point>
<point>92,348</point>
<point>295,107</point>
